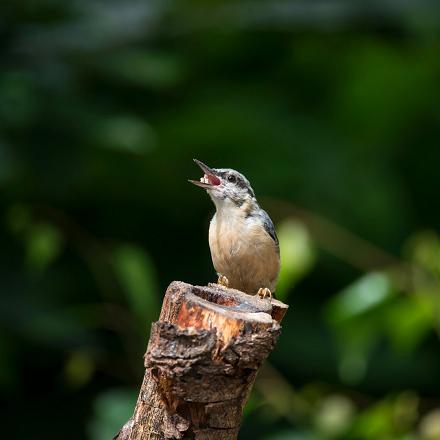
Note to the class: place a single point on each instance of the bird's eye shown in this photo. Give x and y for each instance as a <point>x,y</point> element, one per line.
<point>232,178</point>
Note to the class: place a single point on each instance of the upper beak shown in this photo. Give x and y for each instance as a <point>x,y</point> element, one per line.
<point>210,178</point>
<point>204,167</point>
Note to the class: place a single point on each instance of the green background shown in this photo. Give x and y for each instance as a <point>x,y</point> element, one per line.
<point>330,108</point>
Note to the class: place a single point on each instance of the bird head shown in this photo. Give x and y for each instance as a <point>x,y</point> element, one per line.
<point>225,184</point>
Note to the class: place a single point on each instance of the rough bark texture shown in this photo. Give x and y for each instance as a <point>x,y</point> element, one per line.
<point>201,362</point>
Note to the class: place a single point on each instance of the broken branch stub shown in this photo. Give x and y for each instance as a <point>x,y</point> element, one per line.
<point>202,360</point>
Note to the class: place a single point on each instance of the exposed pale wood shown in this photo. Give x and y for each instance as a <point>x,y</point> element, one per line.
<point>201,362</point>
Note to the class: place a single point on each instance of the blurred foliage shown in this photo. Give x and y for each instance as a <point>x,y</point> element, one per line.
<point>134,270</point>
<point>297,255</point>
<point>111,411</point>
<point>330,108</point>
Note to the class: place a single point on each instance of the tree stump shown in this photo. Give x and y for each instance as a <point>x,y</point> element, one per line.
<point>201,362</point>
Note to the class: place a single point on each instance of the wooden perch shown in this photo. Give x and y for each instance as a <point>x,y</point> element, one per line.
<point>201,362</point>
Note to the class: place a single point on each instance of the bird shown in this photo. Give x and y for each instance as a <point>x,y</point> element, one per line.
<point>244,246</point>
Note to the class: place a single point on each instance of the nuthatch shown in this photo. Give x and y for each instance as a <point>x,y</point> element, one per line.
<point>244,246</point>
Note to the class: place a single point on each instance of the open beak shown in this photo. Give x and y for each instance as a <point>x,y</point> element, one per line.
<point>209,179</point>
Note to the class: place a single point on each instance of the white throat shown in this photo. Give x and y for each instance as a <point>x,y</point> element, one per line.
<point>223,204</point>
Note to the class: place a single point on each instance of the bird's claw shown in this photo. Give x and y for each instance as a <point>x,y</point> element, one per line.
<point>223,281</point>
<point>264,292</point>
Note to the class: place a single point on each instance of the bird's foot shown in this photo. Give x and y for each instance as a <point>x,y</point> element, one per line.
<point>223,281</point>
<point>264,292</point>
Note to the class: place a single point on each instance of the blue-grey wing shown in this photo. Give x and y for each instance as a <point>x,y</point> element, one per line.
<point>269,227</point>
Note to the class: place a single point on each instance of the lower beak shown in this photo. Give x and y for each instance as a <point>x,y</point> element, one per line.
<point>201,184</point>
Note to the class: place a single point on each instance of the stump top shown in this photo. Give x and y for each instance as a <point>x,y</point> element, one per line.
<point>227,310</point>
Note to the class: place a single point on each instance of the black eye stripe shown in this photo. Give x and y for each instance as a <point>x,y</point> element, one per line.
<point>240,182</point>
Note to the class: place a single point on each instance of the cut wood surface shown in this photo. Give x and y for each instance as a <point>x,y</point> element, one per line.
<point>201,362</point>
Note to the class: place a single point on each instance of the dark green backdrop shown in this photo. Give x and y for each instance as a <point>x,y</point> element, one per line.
<point>330,108</point>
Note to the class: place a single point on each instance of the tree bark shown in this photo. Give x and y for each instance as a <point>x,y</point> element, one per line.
<point>201,362</point>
